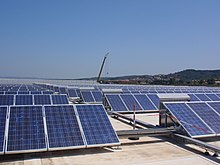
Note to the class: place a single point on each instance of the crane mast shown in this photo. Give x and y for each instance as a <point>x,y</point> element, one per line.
<point>100,72</point>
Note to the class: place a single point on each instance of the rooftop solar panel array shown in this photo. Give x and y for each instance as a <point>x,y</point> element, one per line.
<point>6,99</point>
<point>199,119</point>
<point>210,117</point>
<point>42,100</point>
<point>23,100</point>
<point>131,102</point>
<point>87,97</point>
<point>116,103</point>
<point>59,99</point>
<point>26,129</point>
<point>127,102</point>
<point>96,125</point>
<point>54,127</point>
<point>63,128</point>
<point>191,122</point>
<point>3,113</point>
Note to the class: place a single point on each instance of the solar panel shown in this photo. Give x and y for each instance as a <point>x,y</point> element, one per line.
<point>202,97</point>
<point>193,97</point>
<point>24,100</point>
<point>26,130</point>
<point>193,125</point>
<point>3,113</point>
<point>6,99</point>
<point>215,106</point>
<point>213,97</point>
<point>59,99</point>
<point>130,102</point>
<point>36,92</point>
<point>42,100</point>
<point>72,93</point>
<point>23,92</point>
<point>155,99</point>
<point>47,92</point>
<point>87,97</point>
<point>11,92</point>
<point>116,103</point>
<point>145,102</point>
<point>97,96</point>
<point>62,90</point>
<point>63,128</point>
<point>211,118</point>
<point>96,126</point>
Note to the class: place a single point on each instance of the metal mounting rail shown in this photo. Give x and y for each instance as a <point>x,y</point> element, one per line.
<point>198,143</point>
<point>139,122</point>
<point>145,132</point>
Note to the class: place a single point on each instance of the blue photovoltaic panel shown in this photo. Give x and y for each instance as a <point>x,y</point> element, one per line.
<point>36,92</point>
<point>193,97</point>
<point>42,100</point>
<point>62,127</point>
<point>96,125</point>
<point>211,118</point>
<point>59,99</point>
<point>130,101</point>
<point>47,92</point>
<point>215,106</point>
<point>155,99</point>
<point>10,92</point>
<point>97,95</point>
<point>72,93</point>
<point>24,100</point>
<point>87,96</point>
<point>63,90</point>
<point>26,129</point>
<point>213,97</point>
<point>202,97</point>
<point>3,112</point>
<point>23,92</point>
<point>6,99</point>
<point>116,103</point>
<point>188,119</point>
<point>145,102</point>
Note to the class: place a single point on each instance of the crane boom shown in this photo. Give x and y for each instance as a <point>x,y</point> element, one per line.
<point>100,72</point>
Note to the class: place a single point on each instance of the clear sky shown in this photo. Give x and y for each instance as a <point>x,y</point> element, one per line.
<point>69,38</point>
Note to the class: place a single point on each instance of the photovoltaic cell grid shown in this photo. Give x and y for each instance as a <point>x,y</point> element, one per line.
<point>72,93</point>
<point>145,102</point>
<point>130,102</point>
<point>116,103</point>
<point>3,112</point>
<point>97,95</point>
<point>62,127</point>
<point>26,129</point>
<point>24,100</point>
<point>42,100</point>
<point>215,106</point>
<point>59,99</point>
<point>193,125</point>
<point>210,117</point>
<point>213,97</point>
<point>6,99</point>
<point>87,97</point>
<point>96,125</point>
<point>203,97</point>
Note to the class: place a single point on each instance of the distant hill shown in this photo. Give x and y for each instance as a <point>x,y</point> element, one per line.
<point>185,77</point>
<point>191,74</point>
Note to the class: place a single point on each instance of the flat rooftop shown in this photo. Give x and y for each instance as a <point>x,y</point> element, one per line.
<point>146,151</point>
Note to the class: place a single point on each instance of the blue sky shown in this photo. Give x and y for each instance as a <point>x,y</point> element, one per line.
<point>68,39</point>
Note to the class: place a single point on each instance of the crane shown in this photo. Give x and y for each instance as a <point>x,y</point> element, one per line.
<point>100,72</point>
